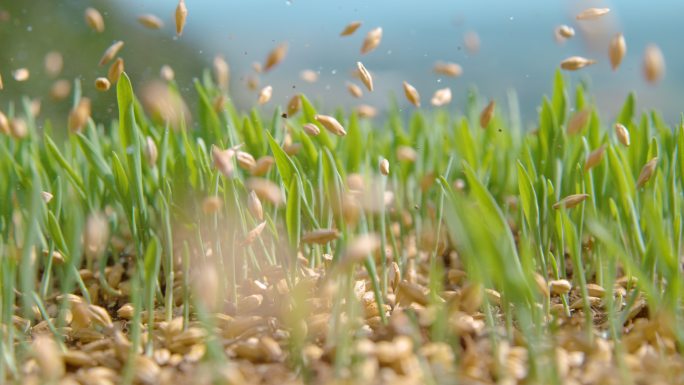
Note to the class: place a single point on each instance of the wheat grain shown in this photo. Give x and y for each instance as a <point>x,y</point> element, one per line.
<point>311,129</point>
<point>265,95</point>
<point>181,17</point>
<point>592,13</point>
<point>578,121</point>
<point>441,97</point>
<point>570,201</point>
<point>350,28</point>
<point>573,63</point>
<point>221,72</point>
<point>331,124</point>
<point>79,115</point>
<point>275,56</point>
<point>560,286</point>
<point>354,90</point>
<point>653,64</point>
<point>309,76</point>
<point>111,52</point>
<point>167,73</point>
<point>372,40</point>
<point>54,62</point>
<point>254,206</point>
<point>647,172</point>
<point>384,166</point>
<point>102,84</point>
<point>21,74</point>
<point>448,69</point>
<point>622,134</point>
<point>94,20</point>
<point>594,158</point>
<point>617,50</point>
<point>411,94</point>
<point>471,40</point>
<point>366,111</point>
<point>564,31</point>
<point>223,160</point>
<point>150,21</point>
<point>320,236</point>
<point>366,77</point>
<point>115,70</point>
<point>487,114</point>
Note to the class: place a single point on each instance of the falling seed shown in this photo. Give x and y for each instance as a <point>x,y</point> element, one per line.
<point>350,28</point>
<point>265,95</point>
<point>102,84</point>
<point>366,77</point>
<point>223,160</point>
<point>448,69</point>
<point>406,154</point>
<point>21,74</point>
<point>309,76</point>
<point>150,21</point>
<point>487,113</point>
<point>94,19</point>
<point>181,16</point>
<point>253,234</point>
<point>617,50</point>
<point>654,64</point>
<point>252,82</point>
<point>222,72</point>
<point>4,124</point>
<point>294,105</point>
<point>570,201</point>
<point>265,190</point>
<point>622,134</point>
<point>574,63</point>
<point>366,111</point>
<point>411,94</point>
<point>384,166</point>
<point>166,73</point>
<point>263,165</point>
<point>18,128</point>
<point>150,151</point>
<point>275,56</point>
<point>565,31</point>
<point>115,70</point>
<point>471,40</point>
<point>211,205</point>
<point>320,236</point>
<point>441,97</point>
<point>354,90</point>
<point>331,124</point>
<point>254,206</point>
<point>54,62</point>
<point>578,121</point>
<point>594,158</point>
<point>111,52</point>
<point>60,89</point>
<point>79,115</point>
<point>95,236</point>
<point>311,129</point>
<point>361,247</point>
<point>245,160</point>
<point>256,66</point>
<point>372,40</point>
<point>592,13</point>
<point>46,196</point>
<point>647,172</point>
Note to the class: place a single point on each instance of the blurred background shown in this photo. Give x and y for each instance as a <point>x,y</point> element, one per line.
<point>517,49</point>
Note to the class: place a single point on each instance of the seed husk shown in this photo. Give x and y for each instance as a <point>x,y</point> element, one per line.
<point>366,111</point>
<point>592,13</point>
<point>115,70</point>
<point>265,95</point>
<point>54,62</point>
<point>565,32</point>
<point>647,172</point>
<point>294,105</point>
<point>150,21</point>
<point>111,52</point>
<point>320,236</point>
<point>617,50</point>
<point>594,158</point>
<point>471,40</point>
<point>411,94</point>
<point>167,73</point>
<point>223,160</point>
<point>21,74</point>
<point>181,16</point>
<point>311,129</point>
<point>622,134</point>
<point>654,64</point>
<point>275,57</point>
<point>366,77</point>
<point>573,63</point>
<point>570,201</point>
<point>384,166</point>
<point>60,89</point>
<point>102,84</point>
<point>222,72</point>
<point>79,115</point>
<point>354,90</point>
<point>372,40</point>
<point>487,114</point>
<point>254,206</point>
<point>448,69</point>
<point>331,124</point>
<point>94,19</point>
<point>560,286</point>
<point>309,76</point>
<point>253,234</point>
<point>350,28</point>
<point>441,97</point>
<point>578,121</point>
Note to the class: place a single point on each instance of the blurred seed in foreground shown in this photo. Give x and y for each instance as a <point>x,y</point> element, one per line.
<point>354,90</point>
<point>448,69</point>
<point>54,62</point>
<point>350,28</point>
<point>21,74</point>
<point>111,52</point>
<point>309,76</point>
<point>294,105</point>
<point>565,32</point>
<point>102,84</point>
<point>79,115</point>
<point>570,201</point>
<point>115,70</point>
<point>617,50</point>
<point>441,97</point>
<point>60,89</point>
<point>275,57</point>
<point>372,40</point>
<point>181,16</point>
<point>167,73</point>
<point>594,158</point>
<point>653,64</point>
<point>592,13</point>
<point>487,114</point>
<point>94,19</point>
<point>150,21</point>
<point>578,121</point>
<point>573,63</point>
<point>222,72</point>
<point>471,40</point>
<point>265,95</point>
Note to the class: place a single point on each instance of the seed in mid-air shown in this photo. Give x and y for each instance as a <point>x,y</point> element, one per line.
<point>350,28</point>
<point>115,70</point>
<point>294,105</point>
<point>18,128</point>
<point>622,134</point>
<point>60,89</point>
<point>211,205</point>
<point>570,201</point>
<point>471,40</point>
<point>361,247</point>
<point>366,77</point>
<point>565,32</point>
<point>384,166</point>
<point>331,124</point>
<point>254,206</point>
<point>253,234</point>
<point>311,129</point>
<point>354,90</point>
<point>406,154</point>
<point>320,236</point>
<point>53,63</point>
<point>617,50</point>
<point>265,189</point>
<point>95,235</point>
<point>573,63</point>
<point>102,84</point>
<point>222,72</point>
<point>94,19</point>
<point>21,74</point>
<point>578,121</point>
<point>79,115</point>
<point>223,160</point>
<point>411,94</point>
<point>366,111</point>
<point>647,172</point>
<point>110,52</point>
<point>372,40</point>
<point>150,21</point>
<point>487,114</point>
<point>309,76</point>
<point>448,69</point>
<point>441,97</point>
<point>594,158</point>
<point>654,64</point>
<point>275,56</point>
<point>263,165</point>
<point>166,73</point>
<point>181,16</point>
<point>265,95</point>
<point>592,13</point>
<point>245,160</point>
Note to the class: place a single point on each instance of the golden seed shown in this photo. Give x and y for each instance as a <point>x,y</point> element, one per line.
<point>150,21</point>
<point>48,358</point>
<point>245,160</point>
<point>565,31</point>
<point>115,70</point>
<point>595,290</point>
<point>79,115</point>
<point>21,74</point>
<point>150,151</point>
<point>350,28</point>
<point>47,197</point>
<point>95,236</point>
<point>384,166</point>
<point>311,129</point>
<point>411,94</point>
<point>361,247</point>
<point>320,236</point>
<point>222,72</point>
<point>102,84</point>
<point>265,189</point>
<point>4,124</point>
<point>211,205</point>
<point>622,134</point>
<point>100,316</point>
<point>592,13</point>
<point>263,165</point>
<point>366,111</point>
<point>578,121</point>
<point>181,16</point>
<point>541,285</point>
<point>441,97</point>
<point>560,286</point>
<point>354,90</point>
<point>223,160</point>
<point>265,95</point>
<point>275,56</point>
<point>573,63</point>
<point>594,158</point>
<point>448,69</point>
<point>486,114</point>
<point>406,154</point>
<point>617,50</point>
<point>254,206</point>
<point>309,76</point>
<point>166,73</point>
<point>372,40</point>
<point>331,124</point>
<point>366,77</point>
<point>471,40</point>
<point>654,64</point>
<point>294,105</point>
<point>53,63</point>
<point>253,234</point>
<point>126,311</point>
<point>647,172</point>
<point>94,19</point>
<point>18,128</point>
<point>570,201</point>
<point>111,52</point>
